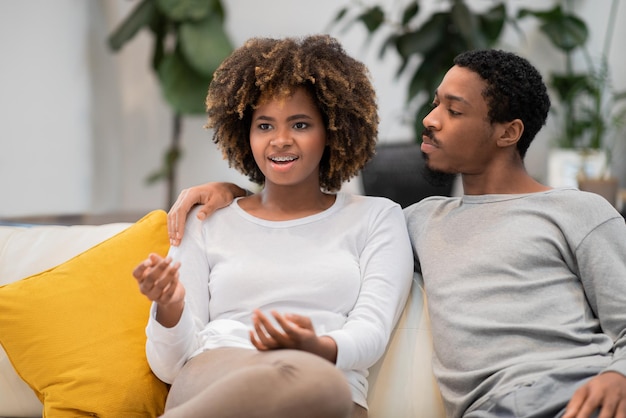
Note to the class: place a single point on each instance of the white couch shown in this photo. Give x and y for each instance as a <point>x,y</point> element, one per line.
<point>401,383</point>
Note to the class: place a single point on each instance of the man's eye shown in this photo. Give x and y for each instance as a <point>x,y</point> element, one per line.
<point>433,105</point>
<point>454,112</point>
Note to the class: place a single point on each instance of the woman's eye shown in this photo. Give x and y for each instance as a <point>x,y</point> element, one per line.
<point>264,126</point>
<point>300,125</point>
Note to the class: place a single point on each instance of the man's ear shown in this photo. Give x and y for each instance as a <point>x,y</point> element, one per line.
<point>511,133</point>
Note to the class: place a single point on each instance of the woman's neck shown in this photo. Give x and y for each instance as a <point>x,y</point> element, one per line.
<point>284,203</point>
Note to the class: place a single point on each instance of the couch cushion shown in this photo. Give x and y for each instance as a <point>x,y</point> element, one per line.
<point>401,383</point>
<point>75,333</point>
<point>25,251</point>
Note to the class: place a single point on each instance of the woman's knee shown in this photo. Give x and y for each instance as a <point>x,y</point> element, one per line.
<point>316,380</point>
<point>306,385</point>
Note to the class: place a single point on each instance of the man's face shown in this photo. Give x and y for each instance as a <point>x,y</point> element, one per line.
<point>458,137</point>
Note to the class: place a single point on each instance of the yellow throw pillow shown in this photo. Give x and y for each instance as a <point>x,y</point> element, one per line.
<point>76,333</point>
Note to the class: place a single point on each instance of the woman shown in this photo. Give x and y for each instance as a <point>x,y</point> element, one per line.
<point>277,305</point>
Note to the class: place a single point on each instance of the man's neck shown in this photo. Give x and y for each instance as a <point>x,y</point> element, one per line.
<point>510,182</point>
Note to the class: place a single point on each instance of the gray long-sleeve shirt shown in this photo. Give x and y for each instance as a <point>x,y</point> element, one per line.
<point>520,286</point>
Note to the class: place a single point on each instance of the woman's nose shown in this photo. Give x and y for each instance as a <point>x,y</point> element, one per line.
<point>282,138</point>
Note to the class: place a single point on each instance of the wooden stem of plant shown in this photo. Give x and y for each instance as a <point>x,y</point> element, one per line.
<point>174,156</point>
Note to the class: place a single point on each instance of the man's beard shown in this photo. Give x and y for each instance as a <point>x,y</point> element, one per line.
<point>435,177</point>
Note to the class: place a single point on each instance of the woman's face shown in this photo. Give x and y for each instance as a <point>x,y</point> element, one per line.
<point>287,138</point>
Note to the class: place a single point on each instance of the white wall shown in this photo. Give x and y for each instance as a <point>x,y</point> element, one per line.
<point>82,126</point>
<point>45,109</point>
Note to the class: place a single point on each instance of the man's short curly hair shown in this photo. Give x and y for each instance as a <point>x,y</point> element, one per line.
<point>339,85</point>
<point>515,90</point>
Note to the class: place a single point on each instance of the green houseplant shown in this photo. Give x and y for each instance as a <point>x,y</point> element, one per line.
<point>433,40</point>
<point>588,108</point>
<point>430,40</point>
<point>189,44</point>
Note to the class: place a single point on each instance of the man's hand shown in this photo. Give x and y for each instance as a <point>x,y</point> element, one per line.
<point>605,393</point>
<point>297,333</point>
<point>212,196</point>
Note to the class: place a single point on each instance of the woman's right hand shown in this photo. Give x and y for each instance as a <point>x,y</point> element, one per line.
<point>212,196</point>
<point>158,280</point>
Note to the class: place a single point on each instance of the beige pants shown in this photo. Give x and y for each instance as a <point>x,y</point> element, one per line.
<point>234,382</point>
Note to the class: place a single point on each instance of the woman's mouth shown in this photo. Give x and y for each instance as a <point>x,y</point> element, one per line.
<point>282,163</point>
<point>283,159</point>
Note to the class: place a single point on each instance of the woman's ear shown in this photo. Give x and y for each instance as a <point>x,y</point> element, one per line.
<point>511,133</point>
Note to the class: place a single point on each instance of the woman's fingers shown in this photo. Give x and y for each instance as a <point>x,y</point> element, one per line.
<point>267,334</point>
<point>292,331</point>
<point>157,278</point>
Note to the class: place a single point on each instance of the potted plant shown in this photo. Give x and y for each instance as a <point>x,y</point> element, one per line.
<point>189,44</point>
<point>589,115</point>
<point>433,41</point>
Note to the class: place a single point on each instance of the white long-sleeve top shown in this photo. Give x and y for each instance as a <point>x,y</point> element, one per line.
<point>348,268</point>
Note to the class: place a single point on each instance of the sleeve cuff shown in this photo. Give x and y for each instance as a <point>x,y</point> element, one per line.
<point>345,349</point>
<point>179,332</point>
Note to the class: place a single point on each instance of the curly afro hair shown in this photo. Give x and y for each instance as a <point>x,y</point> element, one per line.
<point>515,90</point>
<point>339,85</point>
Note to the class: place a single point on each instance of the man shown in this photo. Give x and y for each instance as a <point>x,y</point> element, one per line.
<point>526,284</point>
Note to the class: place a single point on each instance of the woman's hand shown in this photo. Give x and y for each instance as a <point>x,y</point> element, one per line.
<point>212,196</point>
<point>296,333</point>
<point>158,281</point>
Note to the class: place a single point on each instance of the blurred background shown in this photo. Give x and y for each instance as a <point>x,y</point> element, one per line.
<point>85,125</point>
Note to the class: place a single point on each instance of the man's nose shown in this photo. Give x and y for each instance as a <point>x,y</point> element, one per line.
<point>431,120</point>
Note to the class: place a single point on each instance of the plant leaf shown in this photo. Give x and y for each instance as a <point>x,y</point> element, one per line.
<point>372,18</point>
<point>389,42</point>
<point>138,18</point>
<point>428,37</point>
<point>567,34</point>
<point>416,85</point>
<point>410,11</point>
<point>566,31</point>
<point>555,13</point>
<point>204,44</point>
<point>157,175</point>
<point>467,24</point>
<point>619,96</point>
<point>181,10</point>
<point>168,166</point>
<point>430,73</point>
<point>183,88</point>
<point>340,15</point>
<point>492,22</point>
<point>218,8</point>
<point>159,27</point>
<point>568,86</point>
